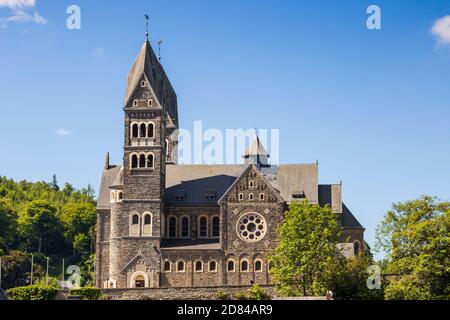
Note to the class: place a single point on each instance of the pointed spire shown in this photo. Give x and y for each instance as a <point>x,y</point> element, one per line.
<point>256,153</point>
<point>107,161</point>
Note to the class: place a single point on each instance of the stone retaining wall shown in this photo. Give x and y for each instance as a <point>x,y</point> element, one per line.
<point>184,293</point>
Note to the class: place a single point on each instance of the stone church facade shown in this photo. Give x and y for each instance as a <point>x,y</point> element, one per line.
<point>161,224</point>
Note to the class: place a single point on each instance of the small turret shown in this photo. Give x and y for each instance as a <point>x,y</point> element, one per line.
<point>256,154</point>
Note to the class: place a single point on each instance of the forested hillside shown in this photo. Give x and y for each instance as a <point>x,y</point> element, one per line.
<point>49,222</point>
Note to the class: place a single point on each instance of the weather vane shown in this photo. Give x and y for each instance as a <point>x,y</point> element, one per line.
<point>147,17</point>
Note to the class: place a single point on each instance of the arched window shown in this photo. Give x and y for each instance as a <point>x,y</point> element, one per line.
<point>150,102</point>
<point>181,266</point>
<point>147,227</point>
<point>258,265</point>
<point>112,197</point>
<point>244,266</point>
<point>150,161</point>
<point>251,197</point>
<point>167,266</point>
<point>241,196</point>
<point>231,265</point>
<point>134,161</point>
<point>135,103</point>
<point>198,266</point>
<point>356,248</point>
<point>142,161</point>
<point>261,196</point>
<point>172,227</point>
<point>134,225</point>
<point>143,130</point>
<point>151,130</point>
<point>135,130</point>
<point>251,184</point>
<point>185,227</point>
<point>215,227</point>
<point>212,266</point>
<point>203,227</point>
<point>143,83</point>
<point>139,282</point>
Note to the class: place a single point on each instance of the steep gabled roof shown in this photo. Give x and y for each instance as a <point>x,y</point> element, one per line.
<point>256,149</point>
<point>147,65</point>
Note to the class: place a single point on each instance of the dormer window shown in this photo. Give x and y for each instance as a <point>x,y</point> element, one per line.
<point>180,195</point>
<point>210,195</point>
<point>135,103</point>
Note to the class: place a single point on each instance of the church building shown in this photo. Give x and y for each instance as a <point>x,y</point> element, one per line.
<point>161,224</point>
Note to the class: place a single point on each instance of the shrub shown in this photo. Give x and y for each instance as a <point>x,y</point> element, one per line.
<point>222,295</point>
<point>87,293</point>
<point>257,293</point>
<point>240,296</point>
<point>36,292</point>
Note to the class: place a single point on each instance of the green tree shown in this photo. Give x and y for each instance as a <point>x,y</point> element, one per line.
<point>38,224</point>
<point>16,270</point>
<point>416,237</point>
<point>307,250</point>
<point>79,220</point>
<point>348,281</point>
<point>54,183</point>
<point>8,227</point>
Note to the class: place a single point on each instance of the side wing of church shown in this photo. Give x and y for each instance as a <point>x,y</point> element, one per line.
<point>161,224</point>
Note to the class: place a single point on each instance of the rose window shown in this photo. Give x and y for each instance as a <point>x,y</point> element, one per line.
<point>251,227</point>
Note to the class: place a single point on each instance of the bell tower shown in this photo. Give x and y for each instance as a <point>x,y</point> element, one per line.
<point>137,221</point>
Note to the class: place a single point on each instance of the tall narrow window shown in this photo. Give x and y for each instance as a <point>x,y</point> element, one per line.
<point>215,227</point>
<point>172,227</point>
<point>135,130</point>
<point>167,266</point>
<point>185,227</point>
<point>143,130</point>
<point>230,266</point>
<point>147,228</point>
<point>198,266</point>
<point>244,265</point>
<point>203,227</point>
<point>180,266</point>
<point>134,161</point>
<point>151,130</point>
<point>150,161</point>
<point>212,266</point>
<point>258,266</point>
<point>142,161</point>
<point>134,228</point>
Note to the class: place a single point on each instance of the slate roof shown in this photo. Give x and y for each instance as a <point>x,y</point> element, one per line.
<point>194,180</point>
<point>180,244</point>
<point>349,220</point>
<point>147,63</point>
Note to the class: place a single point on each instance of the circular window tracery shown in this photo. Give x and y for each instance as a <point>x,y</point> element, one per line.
<point>251,227</point>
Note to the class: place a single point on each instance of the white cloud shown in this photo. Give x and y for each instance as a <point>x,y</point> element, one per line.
<point>62,132</point>
<point>20,12</point>
<point>14,4</point>
<point>441,30</point>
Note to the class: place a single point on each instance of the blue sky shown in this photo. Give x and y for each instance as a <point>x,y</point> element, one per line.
<point>372,106</point>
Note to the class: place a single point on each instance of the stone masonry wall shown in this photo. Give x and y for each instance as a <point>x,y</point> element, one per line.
<point>184,293</point>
